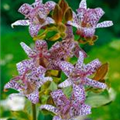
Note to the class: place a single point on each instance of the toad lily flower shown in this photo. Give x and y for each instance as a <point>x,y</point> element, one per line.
<point>65,108</point>
<point>27,83</point>
<point>39,54</point>
<point>86,20</point>
<point>36,14</point>
<point>80,73</point>
<point>50,58</point>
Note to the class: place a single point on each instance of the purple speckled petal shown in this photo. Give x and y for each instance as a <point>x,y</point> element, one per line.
<point>49,21</point>
<point>94,83</point>
<point>33,97</point>
<point>39,71</point>
<point>83,4</point>
<point>27,50</point>
<point>49,108</point>
<point>56,118</point>
<point>20,22</point>
<point>73,23</point>
<point>46,79</point>
<point>78,95</point>
<point>104,24</point>
<point>85,109</point>
<point>59,98</point>
<point>49,6</point>
<point>66,83</point>
<point>41,45</point>
<point>66,67</point>
<point>39,1</point>
<point>99,13</point>
<point>80,14</point>
<point>92,67</point>
<point>24,65</point>
<point>13,84</point>
<point>34,29</point>
<point>25,9</point>
<point>87,32</point>
<point>80,61</point>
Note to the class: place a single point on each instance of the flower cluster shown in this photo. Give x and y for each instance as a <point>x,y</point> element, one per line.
<point>41,59</point>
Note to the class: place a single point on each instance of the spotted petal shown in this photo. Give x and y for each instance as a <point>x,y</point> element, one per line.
<point>43,80</point>
<point>34,29</point>
<point>59,98</point>
<point>13,84</point>
<point>66,83</point>
<point>92,67</point>
<point>38,71</point>
<point>85,109</point>
<point>56,118</point>
<point>41,1</point>
<point>33,97</point>
<point>41,45</point>
<point>49,108</point>
<point>24,65</point>
<point>66,67</point>
<point>83,4</point>
<point>78,95</point>
<point>94,83</point>
<point>80,61</point>
<point>27,49</point>
<point>73,23</point>
<point>20,22</point>
<point>49,20</point>
<point>49,6</point>
<point>104,24</point>
<point>25,9</point>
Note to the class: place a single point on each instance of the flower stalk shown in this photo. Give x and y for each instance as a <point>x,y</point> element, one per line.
<point>34,112</point>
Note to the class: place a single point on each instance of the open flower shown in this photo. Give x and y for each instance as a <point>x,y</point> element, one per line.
<point>29,80</point>
<point>50,58</point>
<point>67,108</point>
<point>86,20</point>
<point>36,15</point>
<point>79,74</point>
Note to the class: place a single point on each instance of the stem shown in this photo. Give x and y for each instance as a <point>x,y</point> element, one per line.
<point>34,111</point>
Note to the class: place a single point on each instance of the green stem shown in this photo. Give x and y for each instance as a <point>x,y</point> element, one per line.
<point>34,111</point>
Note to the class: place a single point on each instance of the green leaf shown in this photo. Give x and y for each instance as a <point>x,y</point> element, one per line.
<point>67,91</point>
<point>53,86</point>
<point>97,100</point>
<point>21,115</point>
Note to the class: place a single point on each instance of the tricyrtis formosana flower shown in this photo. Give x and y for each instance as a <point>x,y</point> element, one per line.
<point>79,74</point>
<point>86,20</point>
<point>67,108</point>
<point>29,80</point>
<point>36,15</point>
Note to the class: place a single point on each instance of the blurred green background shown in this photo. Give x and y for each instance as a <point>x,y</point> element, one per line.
<point>107,48</point>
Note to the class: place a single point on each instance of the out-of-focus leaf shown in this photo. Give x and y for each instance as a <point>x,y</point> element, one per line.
<point>27,107</point>
<point>21,115</point>
<point>97,100</point>
<point>67,91</point>
<point>44,98</point>
<point>55,37</point>
<point>53,86</point>
<point>115,45</point>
